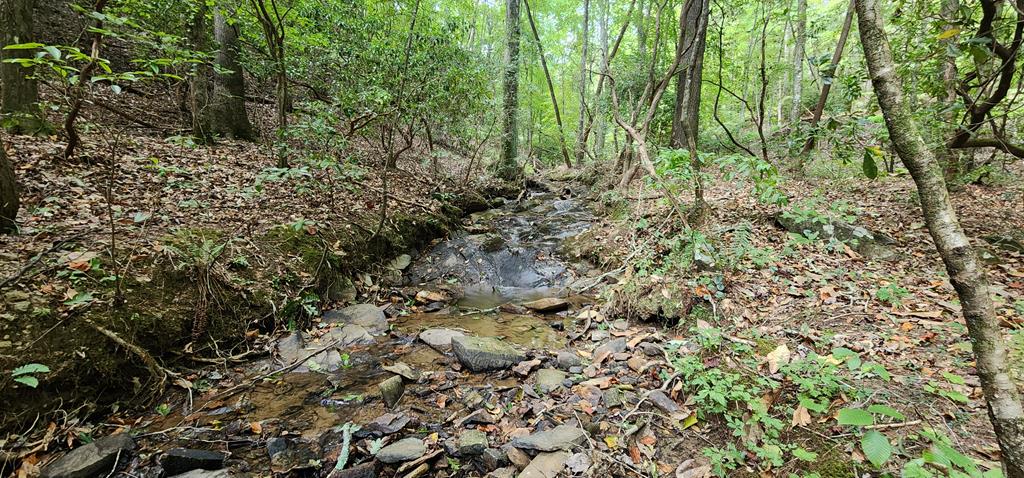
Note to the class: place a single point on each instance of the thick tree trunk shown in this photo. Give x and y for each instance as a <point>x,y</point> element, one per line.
<point>800,28</point>
<point>694,22</point>
<point>819,108</point>
<point>965,273</point>
<point>8,194</point>
<point>199,84</point>
<point>551,90</point>
<point>230,116</point>
<point>507,166</point>
<point>581,142</point>
<point>18,93</point>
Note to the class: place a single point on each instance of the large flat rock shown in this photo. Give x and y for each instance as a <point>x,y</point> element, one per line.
<point>562,437</point>
<point>98,458</point>
<point>480,354</point>
<point>366,315</point>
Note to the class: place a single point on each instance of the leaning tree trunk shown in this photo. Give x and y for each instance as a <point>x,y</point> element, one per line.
<point>230,117</point>
<point>819,108</point>
<point>8,194</point>
<point>551,91</point>
<point>18,93</point>
<point>798,63</point>
<point>199,85</point>
<point>507,166</point>
<point>965,273</point>
<point>581,142</point>
<point>694,22</point>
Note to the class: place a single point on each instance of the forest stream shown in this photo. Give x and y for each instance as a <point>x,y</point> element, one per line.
<point>505,257</point>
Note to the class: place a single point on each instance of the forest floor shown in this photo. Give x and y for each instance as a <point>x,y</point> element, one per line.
<point>745,350</point>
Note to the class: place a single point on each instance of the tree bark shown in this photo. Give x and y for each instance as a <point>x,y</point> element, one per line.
<point>9,202</point>
<point>18,93</point>
<point>798,63</point>
<point>581,143</point>
<point>819,108</point>
<point>507,167</point>
<point>199,84</point>
<point>551,88</point>
<point>601,126</point>
<point>230,116</point>
<point>967,276</point>
<point>693,21</point>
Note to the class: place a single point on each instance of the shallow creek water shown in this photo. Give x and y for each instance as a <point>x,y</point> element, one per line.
<point>505,255</point>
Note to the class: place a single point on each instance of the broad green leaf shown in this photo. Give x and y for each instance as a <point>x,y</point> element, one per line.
<point>887,411</point>
<point>53,51</point>
<point>876,447</point>
<point>805,455</point>
<point>28,380</point>
<point>953,378</point>
<point>869,166</point>
<point>30,369</point>
<point>855,416</point>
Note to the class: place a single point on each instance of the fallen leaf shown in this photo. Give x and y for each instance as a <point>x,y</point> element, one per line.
<point>777,358</point>
<point>801,417</point>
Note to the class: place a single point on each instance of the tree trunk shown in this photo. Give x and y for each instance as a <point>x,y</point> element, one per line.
<point>827,80</point>
<point>551,89</point>
<point>230,116</point>
<point>965,273</point>
<point>8,194</point>
<point>581,143</point>
<point>507,167</point>
<point>600,127</point>
<point>798,63</point>
<point>18,93</point>
<point>694,22</point>
<point>199,84</point>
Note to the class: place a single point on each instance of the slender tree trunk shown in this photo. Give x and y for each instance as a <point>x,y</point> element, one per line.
<point>507,167</point>
<point>551,88</point>
<point>694,22</point>
<point>581,142</point>
<point>795,109</point>
<point>230,116</point>
<point>18,93</point>
<point>199,85</point>
<point>828,79</point>
<point>9,202</point>
<point>949,157</point>
<point>965,273</point>
<point>601,122</point>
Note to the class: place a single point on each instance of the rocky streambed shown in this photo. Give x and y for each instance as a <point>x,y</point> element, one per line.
<point>481,364</point>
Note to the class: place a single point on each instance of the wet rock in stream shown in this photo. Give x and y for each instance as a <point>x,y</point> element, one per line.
<point>180,460</point>
<point>481,354</point>
<point>440,339</point>
<point>98,458</point>
<point>368,316</point>
<point>405,449</point>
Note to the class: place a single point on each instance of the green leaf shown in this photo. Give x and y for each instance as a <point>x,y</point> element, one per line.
<point>953,378</point>
<point>24,46</point>
<point>30,369</point>
<point>805,455</point>
<point>30,381</point>
<point>876,447</point>
<point>855,416</point>
<point>870,167</point>
<point>887,411</point>
<point>53,51</point>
